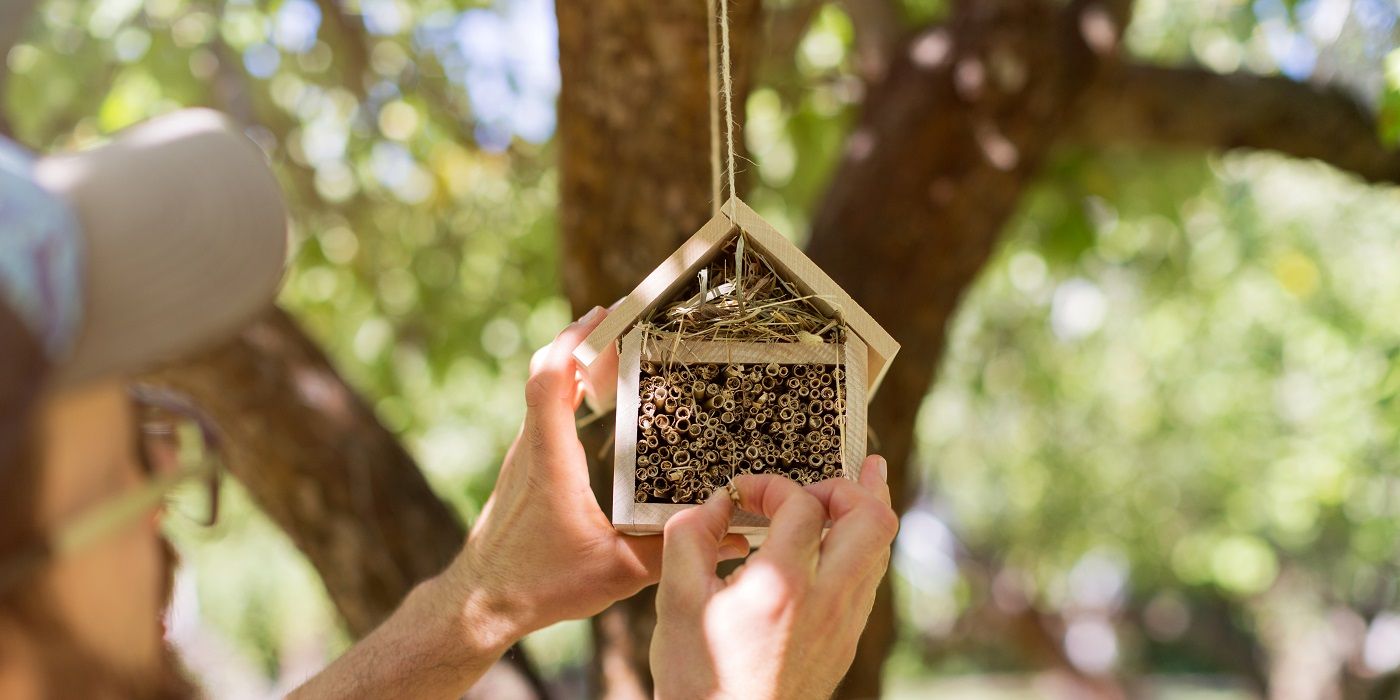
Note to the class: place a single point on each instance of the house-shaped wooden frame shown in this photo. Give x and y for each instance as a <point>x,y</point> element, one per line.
<point>864,356</point>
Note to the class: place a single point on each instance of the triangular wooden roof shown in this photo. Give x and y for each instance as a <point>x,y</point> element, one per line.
<point>787,260</point>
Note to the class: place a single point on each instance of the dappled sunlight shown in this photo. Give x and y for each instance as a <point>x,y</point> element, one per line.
<point>1159,454</point>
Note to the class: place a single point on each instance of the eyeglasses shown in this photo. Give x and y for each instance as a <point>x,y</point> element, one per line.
<point>159,417</point>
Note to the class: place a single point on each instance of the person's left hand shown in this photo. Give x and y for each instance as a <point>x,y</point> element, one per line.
<point>543,550</point>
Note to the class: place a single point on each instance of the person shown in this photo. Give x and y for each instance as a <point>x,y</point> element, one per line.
<point>179,255</point>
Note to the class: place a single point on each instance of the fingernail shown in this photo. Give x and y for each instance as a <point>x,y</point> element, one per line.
<point>592,314</point>
<point>729,550</point>
<point>617,303</point>
<point>882,468</point>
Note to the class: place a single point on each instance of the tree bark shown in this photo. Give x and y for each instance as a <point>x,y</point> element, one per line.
<point>315,458</point>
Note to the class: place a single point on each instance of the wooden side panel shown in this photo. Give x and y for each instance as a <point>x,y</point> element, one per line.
<point>625,455</point>
<point>853,441</point>
<point>665,280</point>
<point>797,267</point>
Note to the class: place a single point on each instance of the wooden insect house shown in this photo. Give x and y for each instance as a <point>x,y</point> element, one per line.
<point>738,355</point>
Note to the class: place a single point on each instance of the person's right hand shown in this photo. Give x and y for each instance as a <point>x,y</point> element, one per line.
<point>784,625</point>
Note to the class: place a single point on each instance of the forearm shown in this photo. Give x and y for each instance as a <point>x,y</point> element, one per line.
<point>436,645</point>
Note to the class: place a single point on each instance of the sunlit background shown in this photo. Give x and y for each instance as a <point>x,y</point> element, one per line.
<point>1169,410</point>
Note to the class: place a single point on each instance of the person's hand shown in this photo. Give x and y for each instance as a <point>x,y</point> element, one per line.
<point>785,624</point>
<point>542,550</point>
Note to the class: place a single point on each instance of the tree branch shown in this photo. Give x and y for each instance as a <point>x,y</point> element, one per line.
<point>1137,104</point>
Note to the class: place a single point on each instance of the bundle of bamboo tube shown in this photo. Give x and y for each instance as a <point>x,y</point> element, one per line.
<point>699,425</point>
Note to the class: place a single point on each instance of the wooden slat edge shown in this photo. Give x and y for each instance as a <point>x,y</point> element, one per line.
<point>853,450</point>
<point>625,452</point>
<point>691,351</point>
<point>652,517</point>
<point>877,378</point>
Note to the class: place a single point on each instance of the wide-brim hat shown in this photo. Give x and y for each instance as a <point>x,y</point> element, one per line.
<point>184,232</point>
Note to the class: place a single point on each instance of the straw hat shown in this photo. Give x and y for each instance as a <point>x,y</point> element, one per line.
<point>184,233</point>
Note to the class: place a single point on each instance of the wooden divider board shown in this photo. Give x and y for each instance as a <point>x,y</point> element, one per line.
<point>650,518</point>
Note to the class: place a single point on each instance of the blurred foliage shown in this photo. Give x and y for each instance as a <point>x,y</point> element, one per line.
<point>1175,383</point>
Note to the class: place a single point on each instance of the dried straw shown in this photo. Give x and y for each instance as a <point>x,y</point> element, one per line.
<point>739,297</point>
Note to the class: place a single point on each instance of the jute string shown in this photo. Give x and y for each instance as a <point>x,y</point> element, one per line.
<point>721,97</point>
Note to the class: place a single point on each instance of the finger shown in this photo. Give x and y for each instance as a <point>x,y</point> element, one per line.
<point>839,496</point>
<point>553,388</point>
<point>796,520</point>
<point>862,528</point>
<point>690,552</point>
<point>646,553</point>
<point>875,477</point>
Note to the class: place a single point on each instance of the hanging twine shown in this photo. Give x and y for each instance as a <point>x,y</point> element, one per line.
<point>721,96</point>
